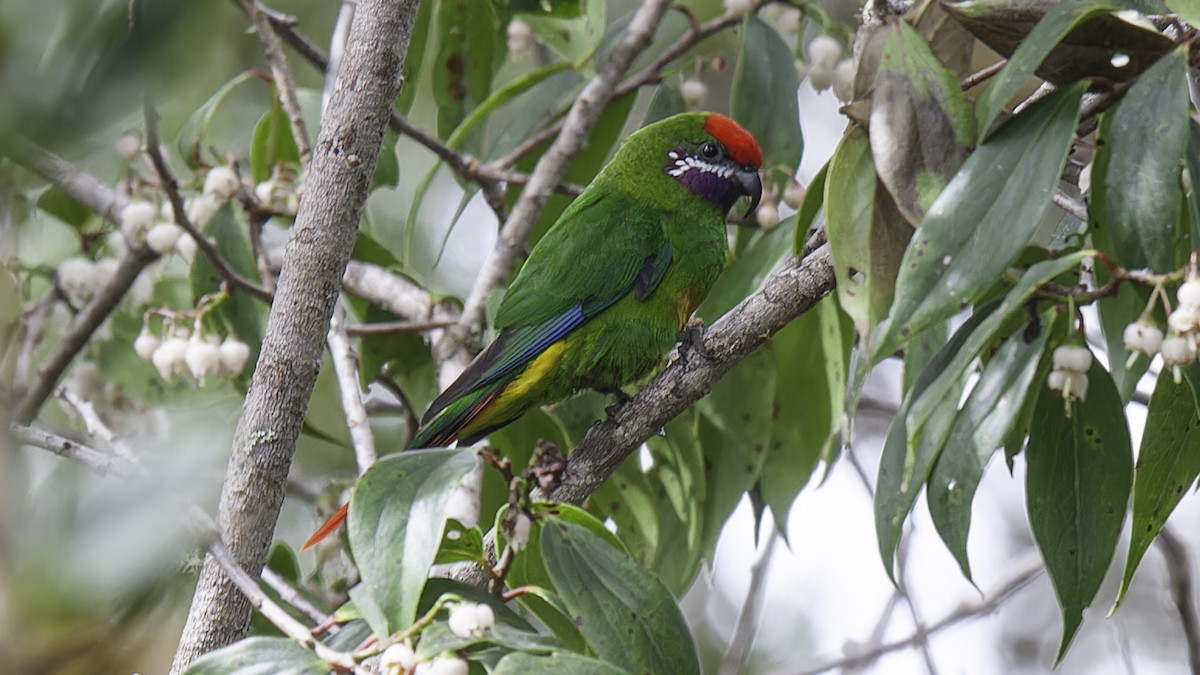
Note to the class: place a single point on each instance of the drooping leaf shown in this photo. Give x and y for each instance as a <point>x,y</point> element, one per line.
<point>921,124</point>
<point>866,232</point>
<point>1167,465</point>
<point>1080,470</point>
<point>810,208</point>
<point>990,412</point>
<point>627,615</point>
<point>257,655</point>
<point>1136,175</point>
<point>920,351</point>
<point>766,71</point>
<point>810,386</point>
<point>272,143</point>
<point>470,43</point>
<point>190,140</point>
<point>561,663</point>
<point>1030,51</point>
<point>415,62</point>
<point>397,516</point>
<point>983,219</point>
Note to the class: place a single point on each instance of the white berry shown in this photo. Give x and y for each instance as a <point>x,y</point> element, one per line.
<point>169,357</point>
<point>1177,351</point>
<point>233,354</point>
<point>1072,359</point>
<point>824,52</point>
<point>738,7</point>
<point>162,237</point>
<point>1183,320</point>
<point>694,93</point>
<point>843,81</point>
<point>77,278</point>
<point>1189,293</point>
<point>104,271</point>
<point>203,358</point>
<point>128,146</point>
<point>136,218</point>
<point>398,659</point>
<point>201,209</point>
<point>1143,338</point>
<point>146,344</point>
<point>222,182</point>
<point>520,37</point>
<point>520,533</point>
<point>790,20</point>
<point>471,620</point>
<point>767,216</point>
<point>820,77</point>
<point>186,247</point>
<point>443,665</point>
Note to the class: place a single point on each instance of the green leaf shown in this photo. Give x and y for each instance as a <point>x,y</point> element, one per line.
<point>1053,27</point>
<point>983,219</point>
<point>397,516</point>
<point>1116,312</point>
<point>627,615</point>
<point>573,36</point>
<point>415,60</point>
<point>190,140</point>
<point>921,123</point>
<point>257,655</point>
<point>460,544</point>
<point>867,235</point>
<point>1136,175</point>
<point>1193,196</point>
<point>272,143</point>
<point>766,71</point>
<point>1167,466</point>
<point>1077,485</point>
<point>810,361</point>
<point>667,101</point>
<point>992,409</point>
<point>810,208</point>
<point>735,430</point>
<point>54,201</point>
<point>470,45</point>
<point>1188,10</point>
<point>562,663</point>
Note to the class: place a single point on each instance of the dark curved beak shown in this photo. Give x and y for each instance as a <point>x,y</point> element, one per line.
<point>751,186</point>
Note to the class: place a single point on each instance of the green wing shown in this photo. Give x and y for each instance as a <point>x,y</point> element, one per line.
<point>593,254</point>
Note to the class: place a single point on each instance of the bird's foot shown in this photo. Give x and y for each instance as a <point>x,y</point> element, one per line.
<point>691,338</point>
<point>617,393</point>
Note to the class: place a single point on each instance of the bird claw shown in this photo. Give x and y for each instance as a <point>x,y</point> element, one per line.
<point>691,338</point>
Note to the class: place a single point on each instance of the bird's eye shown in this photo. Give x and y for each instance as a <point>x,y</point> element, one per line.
<point>710,150</point>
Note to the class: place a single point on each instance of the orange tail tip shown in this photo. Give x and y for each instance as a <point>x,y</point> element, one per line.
<point>328,528</point>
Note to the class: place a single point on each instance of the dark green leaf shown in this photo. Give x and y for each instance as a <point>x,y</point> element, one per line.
<point>627,615</point>
<point>54,201</point>
<point>258,655</point>
<point>810,387</point>
<point>810,208</point>
<point>470,44</point>
<point>1167,466</point>
<point>867,234</point>
<point>766,71</point>
<point>982,221</point>
<point>1080,467</point>
<point>397,516</point>
<point>1136,175</point>
<point>415,59</point>
<point>282,560</point>
<point>735,430</point>
<point>1193,195</point>
<point>920,350</point>
<point>562,663</point>
<point>273,143</point>
<point>990,412</point>
<point>1055,25</point>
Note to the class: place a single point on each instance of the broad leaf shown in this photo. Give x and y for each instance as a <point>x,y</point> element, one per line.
<point>921,124</point>
<point>983,219</point>
<point>470,44</point>
<point>411,70</point>
<point>190,141</point>
<point>866,232</point>
<point>1080,469</point>
<point>766,71</point>
<point>562,663</point>
<point>1055,25</point>
<point>273,143</point>
<point>1136,175</point>
<point>573,35</point>
<point>1167,466</point>
<point>397,516</point>
<point>627,615</point>
<point>258,656</point>
<point>990,412</point>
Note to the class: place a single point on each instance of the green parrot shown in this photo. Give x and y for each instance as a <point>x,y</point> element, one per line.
<point>605,293</point>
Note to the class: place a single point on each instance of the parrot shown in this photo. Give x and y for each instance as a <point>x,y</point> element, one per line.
<point>606,292</point>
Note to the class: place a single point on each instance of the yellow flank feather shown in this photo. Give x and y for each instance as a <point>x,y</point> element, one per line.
<point>533,374</point>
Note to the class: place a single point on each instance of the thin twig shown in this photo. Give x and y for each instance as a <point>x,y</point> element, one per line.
<point>291,595</point>
<point>284,82</point>
<point>1179,570</point>
<point>86,323</point>
<point>744,630</point>
<point>984,74</point>
<point>345,365</point>
<point>1028,570</point>
<point>394,327</point>
<point>1070,205</point>
<point>100,463</point>
<point>277,615</point>
<point>98,428</point>
<point>82,186</point>
<point>171,188</point>
<point>577,127</point>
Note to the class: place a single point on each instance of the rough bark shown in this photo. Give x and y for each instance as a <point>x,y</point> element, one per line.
<point>315,259</point>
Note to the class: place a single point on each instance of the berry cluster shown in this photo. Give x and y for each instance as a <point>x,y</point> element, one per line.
<point>1069,375</point>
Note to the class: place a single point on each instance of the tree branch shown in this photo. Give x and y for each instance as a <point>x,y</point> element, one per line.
<point>576,127</point>
<point>284,82</point>
<point>744,630</point>
<point>315,259</point>
<point>98,462</point>
<point>789,292</point>
<point>345,365</point>
<point>82,186</point>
